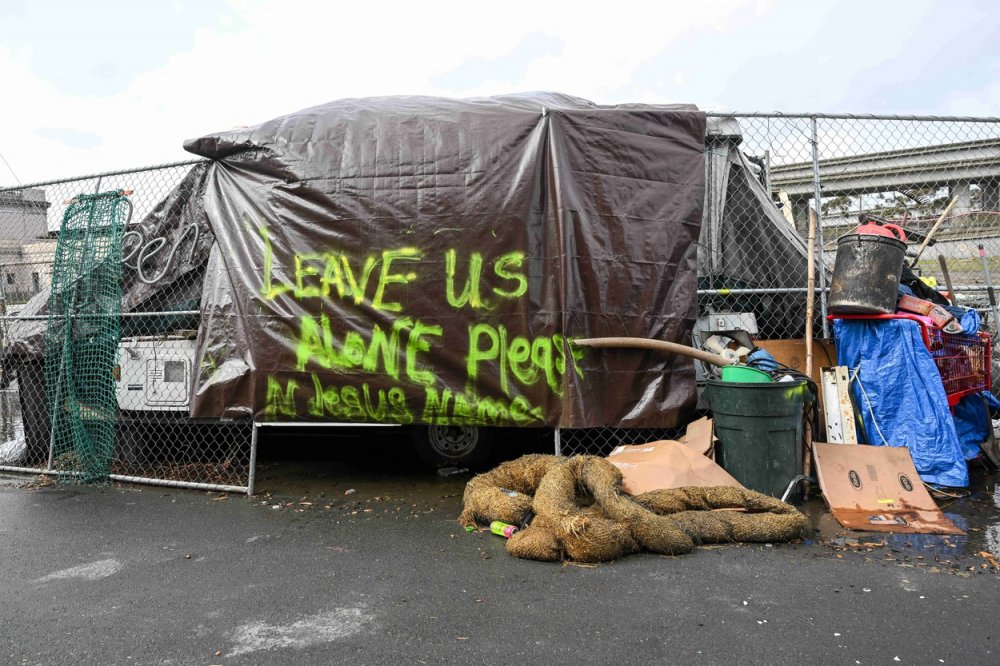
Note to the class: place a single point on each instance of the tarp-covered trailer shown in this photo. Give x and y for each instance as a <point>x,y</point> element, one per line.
<point>428,262</point>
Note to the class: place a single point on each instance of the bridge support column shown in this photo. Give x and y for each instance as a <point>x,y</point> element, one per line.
<point>963,191</point>
<point>991,194</point>
<point>800,213</point>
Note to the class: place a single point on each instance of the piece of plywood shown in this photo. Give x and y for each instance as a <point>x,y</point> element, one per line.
<point>793,354</point>
<point>877,489</point>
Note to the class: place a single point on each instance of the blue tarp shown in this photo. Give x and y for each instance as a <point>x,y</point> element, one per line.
<point>972,423</point>
<point>900,395</point>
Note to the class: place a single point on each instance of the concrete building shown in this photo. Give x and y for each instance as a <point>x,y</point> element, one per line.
<point>26,249</point>
<point>23,214</point>
<point>25,267</point>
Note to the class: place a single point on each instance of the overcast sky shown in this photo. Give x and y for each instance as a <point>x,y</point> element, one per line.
<point>108,84</point>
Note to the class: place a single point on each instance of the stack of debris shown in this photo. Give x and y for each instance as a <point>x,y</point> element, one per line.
<point>904,407</point>
<point>575,508</point>
<point>916,365</point>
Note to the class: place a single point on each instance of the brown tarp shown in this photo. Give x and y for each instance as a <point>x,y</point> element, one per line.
<point>424,260</point>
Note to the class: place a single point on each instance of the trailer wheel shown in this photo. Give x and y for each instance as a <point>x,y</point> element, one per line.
<point>453,446</point>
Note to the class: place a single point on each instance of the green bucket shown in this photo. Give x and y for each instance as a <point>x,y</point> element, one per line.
<point>740,374</point>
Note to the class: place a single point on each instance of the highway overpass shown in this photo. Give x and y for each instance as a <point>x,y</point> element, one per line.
<point>956,166</point>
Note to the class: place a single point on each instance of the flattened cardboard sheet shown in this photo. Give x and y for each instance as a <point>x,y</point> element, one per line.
<point>700,437</point>
<point>670,464</point>
<point>877,489</point>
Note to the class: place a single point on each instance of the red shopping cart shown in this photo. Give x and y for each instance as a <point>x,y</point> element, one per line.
<point>964,360</point>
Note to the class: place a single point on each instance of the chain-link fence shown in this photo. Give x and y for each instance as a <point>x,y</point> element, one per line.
<point>602,441</point>
<point>154,440</point>
<point>764,173</point>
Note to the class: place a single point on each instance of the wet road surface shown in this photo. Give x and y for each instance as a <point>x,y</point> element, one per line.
<point>356,557</point>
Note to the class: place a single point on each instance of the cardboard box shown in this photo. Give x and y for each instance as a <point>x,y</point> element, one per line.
<point>877,489</point>
<point>672,464</point>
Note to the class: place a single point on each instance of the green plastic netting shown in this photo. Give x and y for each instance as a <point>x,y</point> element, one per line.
<point>82,333</point>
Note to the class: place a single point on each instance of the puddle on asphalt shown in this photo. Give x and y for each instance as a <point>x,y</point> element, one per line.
<point>977,514</point>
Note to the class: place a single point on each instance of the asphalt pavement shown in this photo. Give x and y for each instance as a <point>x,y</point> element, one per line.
<point>329,566</point>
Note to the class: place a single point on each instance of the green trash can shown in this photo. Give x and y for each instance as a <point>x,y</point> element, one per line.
<point>760,428</point>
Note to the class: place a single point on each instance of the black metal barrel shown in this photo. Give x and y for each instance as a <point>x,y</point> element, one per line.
<point>866,274</point>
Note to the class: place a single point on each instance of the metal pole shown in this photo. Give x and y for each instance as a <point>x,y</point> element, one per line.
<point>88,176</point>
<point>557,439</point>
<point>24,470</point>
<point>252,480</point>
<point>52,445</point>
<point>168,313</point>
<point>169,483</point>
<point>323,424</point>
<point>121,478</point>
<point>54,402</point>
<point>989,288</point>
<point>3,301</point>
<point>753,291</point>
<point>819,227</point>
<point>810,292</point>
<point>831,116</point>
<point>767,174</point>
<point>770,290</point>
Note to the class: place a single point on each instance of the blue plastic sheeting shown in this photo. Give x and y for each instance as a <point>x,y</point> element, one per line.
<point>762,360</point>
<point>967,317</point>
<point>972,423</point>
<point>900,395</point>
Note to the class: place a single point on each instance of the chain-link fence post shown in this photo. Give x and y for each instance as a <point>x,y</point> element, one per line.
<point>252,475</point>
<point>817,193</point>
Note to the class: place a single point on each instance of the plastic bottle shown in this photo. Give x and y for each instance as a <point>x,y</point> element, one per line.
<point>502,529</point>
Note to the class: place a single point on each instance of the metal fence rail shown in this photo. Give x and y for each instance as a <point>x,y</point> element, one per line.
<point>764,172</point>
